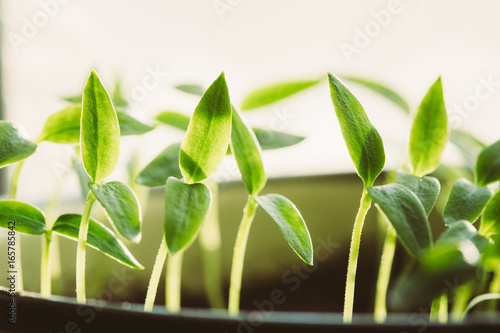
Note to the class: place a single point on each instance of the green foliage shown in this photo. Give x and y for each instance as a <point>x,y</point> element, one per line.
<point>490,222</point>
<point>290,222</point>
<point>62,126</point>
<point>429,132</point>
<point>488,165</point>
<point>131,126</point>
<point>425,188</point>
<point>165,165</point>
<point>174,119</point>
<point>100,132</point>
<point>362,139</point>
<point>193,89</point>
<point>14,144</point>
<point>27,218</point>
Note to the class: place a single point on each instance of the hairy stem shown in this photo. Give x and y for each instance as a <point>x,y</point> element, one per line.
<point>45,279</point>
<point>384,274</point>
<point>80,253</point>
<point>155,276</point>
<point>173,282</point>
<point>239,256</point>
<point>13,194</point>
<point>365,203</point>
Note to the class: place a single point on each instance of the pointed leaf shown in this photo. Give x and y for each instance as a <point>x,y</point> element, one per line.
<point>207,138</point>
<point>99,237</point>
<point>382,90</point>
<point>425,188</point>
<point>100,131</point>
<point>362,139</point>
<point>63,126</point>
<point>193,89</point>
<point>246,150</point>
<point>131,126</point>
<point>273,139</point>
<point>165,165</point>
<point>14,143</point>
<point>122,208</point>
<point>405,212</point>
<point>429,132</point>
<point>186,206</point>
<point>290,222</point>
<point>490,222</point>
<point>28,219</point>
<point>488,165</point>
<point>465,202</point>
<point>274,93</point>
<point>174,119</point>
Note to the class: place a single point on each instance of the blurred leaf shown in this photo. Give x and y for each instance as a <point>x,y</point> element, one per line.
<point>73,99</point>
<point>273,140</point>
<point>193,89</point>
<point>246,150</point>
<point>491,257</point>
<point>131,126</point>
<point>469,146</point>
<point>382,90</point>
<point>465,202</point>
<point>290,222</point>
<point>429,132</point>
<point>62,126</point>
<point>457,234</point>
<point>174,119</point>
<point>274,93</point>
<point>362,139</point>
<point>118,97</point>
<point>100,131</point>
<point>405,212</point>
<point>99,237</point>
<point>425,188</point>
<point>165,165</point>
<point>490,222</point>
<point>488,165</point>
<point>28,219</point>
<point>207,138</point>
<point>14,144</point>
<point>122,208</point>
<point>186,206</point>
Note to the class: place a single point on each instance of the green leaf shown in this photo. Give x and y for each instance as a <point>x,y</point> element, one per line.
<point>73,99</point>
<point>207,138</point>
<point>193,89</point>
<point>382,90</point>
<point>122,208</point>
<point>457,236</point>
<point>274,93</point>
<point>290,222</point>
<point>469,146</point>
<point>186,206</point>
<point>425,188</point>
<point>14,144</point>
<point>429,131</point>
<point>488,165</point>
<point>131,126</point>
<point>118,97</point>
<point>465,202</point>
<point>62,126</point>
<point>165,165</point>
<point>491,256</point>
<point>405,212</point>
<point>99,237</point>
<point>100,131</point>
<point>246,150</point>
<point>174,119</point>
<point>362,139</point>
<point>28,219</point>
<point>273,139</point>
<point>490,222</point>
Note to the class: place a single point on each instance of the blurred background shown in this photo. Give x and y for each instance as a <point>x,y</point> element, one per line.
<point>48,48</point>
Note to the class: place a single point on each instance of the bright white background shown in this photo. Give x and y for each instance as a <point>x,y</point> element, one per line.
<point>255,42</point>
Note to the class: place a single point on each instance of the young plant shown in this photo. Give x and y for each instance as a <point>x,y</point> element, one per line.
<point>367,152</point>
<point>188,202</point>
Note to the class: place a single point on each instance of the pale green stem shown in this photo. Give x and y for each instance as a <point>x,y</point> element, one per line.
<point>462,296</point>
<point>173,282</point>
<point>80,253</point>
<point>239,256</point>
<point>210,244</point>
<point>439,309</point>
<point>15,180</point>
<point>494,289</point>
<point>155,276</point>
<point>45,281</point>
<point>365,203</point>
<point>13,195</point>
<point>384,274</point>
